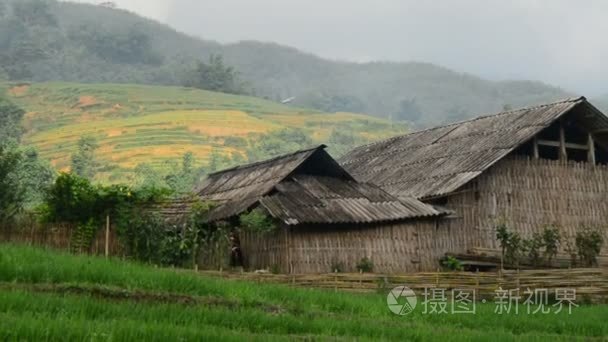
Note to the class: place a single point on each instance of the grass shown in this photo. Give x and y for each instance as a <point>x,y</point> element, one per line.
<point>47,295</point>
<point>153,124</point>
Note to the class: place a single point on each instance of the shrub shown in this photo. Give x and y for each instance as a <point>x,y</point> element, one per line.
<point>275,269</point>
<point>589,244</point>
<point>452,264</point>
<point>141,233</point>
<point>510,243</point>
<point>550,240</point>
<point>533,247</point>
<point>365,265</point>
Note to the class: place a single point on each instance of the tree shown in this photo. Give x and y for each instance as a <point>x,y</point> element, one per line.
<point>409,111</point>
<point>183,181</point>
<point>147,176</point>
<point>34,13</point>
<point>36,176</point>
<point>11,190</point>
<point>123,46</point>
<point>10,122</point>
<point>83,161</point>
<point>215,75</point>
<point>25,35</point>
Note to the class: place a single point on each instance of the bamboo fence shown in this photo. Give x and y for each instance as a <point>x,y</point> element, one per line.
<point>590,283</point>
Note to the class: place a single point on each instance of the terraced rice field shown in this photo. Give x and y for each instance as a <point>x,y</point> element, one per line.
<point>149,124</point>
<point>52,296</point>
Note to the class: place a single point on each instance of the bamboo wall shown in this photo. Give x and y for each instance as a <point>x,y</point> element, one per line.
<point>58,237</point>
<point>529,194</point>
<point>401,247</point>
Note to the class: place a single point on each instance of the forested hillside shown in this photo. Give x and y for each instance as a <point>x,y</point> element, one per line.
<point>48,40</point>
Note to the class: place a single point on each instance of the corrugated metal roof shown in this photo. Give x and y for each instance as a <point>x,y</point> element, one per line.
<point>238,188</point>
<point>316,199</point>
<point>296,188</point>
<point>439,160</point>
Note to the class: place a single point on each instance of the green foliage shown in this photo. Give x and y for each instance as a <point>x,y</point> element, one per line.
<point>257,221</point>
<point>198,233</point>
<point>183,181</point>
<point>409,111</point>
<point>514,247</point>
<point>589,244</point>
<point>83,161</point>
<point>71,199</point>
<point>10,122</point>
<point>148,176</point>
<point>365,265</point>
<point>235,141</point>
<point>328,102</point>
<point>533,247</point>
<point>36,176</point>
<point>74,199</point>
<point>141,232</point>
<point>217,161</point>
<point>122,46</point>
<point>279,142</point>
<point>551,239</point>
<point>11,189</point>
<point>510,243</point>
<point>83,236</point>
<point>215,75</point>
<point>342,140</point>
<point>452,264</point>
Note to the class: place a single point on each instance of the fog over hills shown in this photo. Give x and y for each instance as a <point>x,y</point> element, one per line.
<point>450,69</point>
<point>542,40</point>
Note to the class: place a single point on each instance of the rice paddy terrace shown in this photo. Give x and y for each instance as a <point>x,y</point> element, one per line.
<point>53,296</point>
<point>137,124</point>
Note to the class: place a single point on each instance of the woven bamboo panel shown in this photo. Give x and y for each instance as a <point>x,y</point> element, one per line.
<point>59,236</point>
<point>530,194</point>
<point>404,247</point>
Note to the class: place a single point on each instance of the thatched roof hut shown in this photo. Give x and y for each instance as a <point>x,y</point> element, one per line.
<point>528,168</point>
<point>531,167</point>
<point>438,161</point>
<point>305,187</point>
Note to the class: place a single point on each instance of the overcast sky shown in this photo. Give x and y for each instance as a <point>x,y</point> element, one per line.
<point>560,42</point>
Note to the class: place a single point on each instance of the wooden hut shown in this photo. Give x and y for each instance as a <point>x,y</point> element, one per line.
<point>325,218</point>
<point>531,167</point>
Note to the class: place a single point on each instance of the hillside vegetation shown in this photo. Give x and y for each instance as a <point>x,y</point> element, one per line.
<point>136,125</point>
<point>50,41</point>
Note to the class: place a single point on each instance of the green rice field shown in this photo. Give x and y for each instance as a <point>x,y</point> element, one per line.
<point>54,296</point>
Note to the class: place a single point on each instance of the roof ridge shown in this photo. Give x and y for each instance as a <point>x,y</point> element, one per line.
<point>267,161</point>
<point>457,123</point>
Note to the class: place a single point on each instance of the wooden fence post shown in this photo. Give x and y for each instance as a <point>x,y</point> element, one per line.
<point>107,235</point>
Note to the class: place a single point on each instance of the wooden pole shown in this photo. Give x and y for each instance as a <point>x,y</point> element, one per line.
<point>535,147</point>
<point>591,151</point>
<point>563,154</point>
<point>107,235</point>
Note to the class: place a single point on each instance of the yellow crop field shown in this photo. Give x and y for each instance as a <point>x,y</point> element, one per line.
<point>138,124</point>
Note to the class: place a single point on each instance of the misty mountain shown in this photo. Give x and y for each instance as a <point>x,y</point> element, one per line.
<point>48,40</point>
